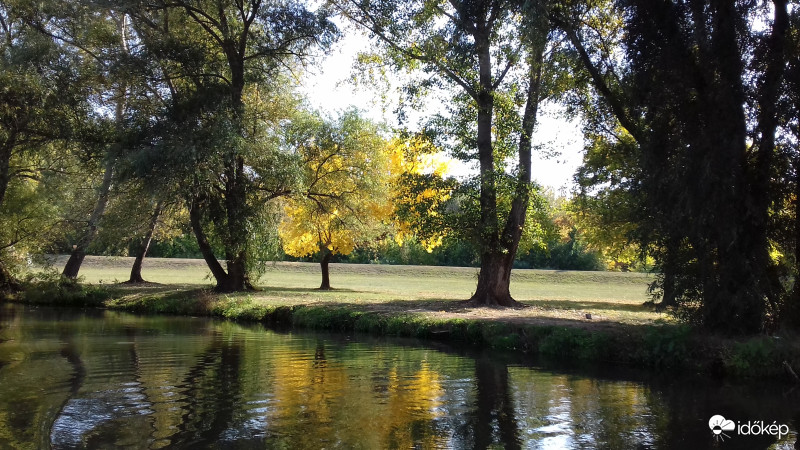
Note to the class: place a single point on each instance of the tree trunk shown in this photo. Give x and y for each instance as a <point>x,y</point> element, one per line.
<point>7,281</point>
<point>5,164</point>
<point>494,282</point>
<point>8,284</point>
<point>326,279</point>
<point>236,233</point>
<point>237,279</point>
<point>73,265</point>
<point>499,252</point>
<point>790,315</point>
<point>668,276</point>
<point>136,270</point>
<point>205,248</point>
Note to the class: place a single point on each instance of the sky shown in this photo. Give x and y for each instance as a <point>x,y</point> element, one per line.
<point>328,90</point>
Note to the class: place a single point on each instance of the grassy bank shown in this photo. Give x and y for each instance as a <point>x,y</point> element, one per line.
<point>588,317</point>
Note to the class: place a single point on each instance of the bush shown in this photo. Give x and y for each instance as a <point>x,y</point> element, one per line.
<point>574,344</point>
<point>665,346</point>
<point>51,288</point>
<point>752,358</point>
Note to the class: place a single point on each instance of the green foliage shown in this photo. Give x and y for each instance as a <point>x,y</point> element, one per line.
<point>195,302</point>
<point>343,201</point>
<point>181,246</point>
<point>339,319</point>
<point>687,171</point>
<point>753,358</point>
<point>241,308</point>
<point>452,252</point>
<point>575,344</point>
<point>559,240</point>
<point>43,104</point>
<point>50,288</point>
<point>665,346</point>
<point>219,132</point>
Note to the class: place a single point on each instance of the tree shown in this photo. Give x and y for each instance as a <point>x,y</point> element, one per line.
<point>697,91</point>
<point>344,201</point>
<point>41,106</point>
<point>786,215</point>
<point>221,60</point>
<point>421,193</point>
<point>607,206</point>
<point>101,40</point>
<point>492,52</point>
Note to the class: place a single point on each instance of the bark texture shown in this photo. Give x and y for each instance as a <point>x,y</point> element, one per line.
<point>144,245</point>
<point>326,278</point>
<point>500,246</point>
<point>75,260</point>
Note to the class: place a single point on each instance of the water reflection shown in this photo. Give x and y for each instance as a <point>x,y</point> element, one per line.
<point>70,380</point>
<point>494,419</point>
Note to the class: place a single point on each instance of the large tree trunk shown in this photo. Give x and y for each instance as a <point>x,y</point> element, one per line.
<point>136,269</point>
<point>735,293</point>
<point>668,276</point>
<point>7,281</point>
<point>8,284</point>
<point>499,252</point>
<point>490,290</point>
<point>238,278</point>
<point>5,164</point>
<point>205,247</point>
<point>790,314</point>
<point>323,264</point>
<point>237,235</point>
<point>494,282</point>
<point>759,215</point>
<point>73,265</point>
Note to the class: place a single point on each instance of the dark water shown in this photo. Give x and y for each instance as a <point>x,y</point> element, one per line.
<point>100,379</point>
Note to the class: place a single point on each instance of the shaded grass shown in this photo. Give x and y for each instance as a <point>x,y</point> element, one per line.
<point>607,296</point>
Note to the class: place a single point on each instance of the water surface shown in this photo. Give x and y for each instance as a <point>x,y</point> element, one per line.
<point>102,379</point>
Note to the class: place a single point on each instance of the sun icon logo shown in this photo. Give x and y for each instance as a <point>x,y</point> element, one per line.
<point>719,425</point>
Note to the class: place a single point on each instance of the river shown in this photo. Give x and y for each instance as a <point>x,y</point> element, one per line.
<point>103,379</point>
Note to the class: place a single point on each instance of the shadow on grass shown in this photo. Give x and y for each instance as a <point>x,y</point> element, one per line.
<point>277,290</point>
<point>589,305</point>
<point>509,316</point>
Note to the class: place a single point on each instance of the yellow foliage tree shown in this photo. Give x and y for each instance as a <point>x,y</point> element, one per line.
<point>420,190</point>
<point>345,200</point>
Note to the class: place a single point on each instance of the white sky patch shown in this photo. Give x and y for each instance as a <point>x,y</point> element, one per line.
<point>558,141</point>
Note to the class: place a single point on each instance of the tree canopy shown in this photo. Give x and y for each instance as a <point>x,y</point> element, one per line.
<point>344,198</point>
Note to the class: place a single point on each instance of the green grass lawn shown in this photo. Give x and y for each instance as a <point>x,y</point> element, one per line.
<point>435,291</point>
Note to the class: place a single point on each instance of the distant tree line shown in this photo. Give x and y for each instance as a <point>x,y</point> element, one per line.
<point>560,245</point>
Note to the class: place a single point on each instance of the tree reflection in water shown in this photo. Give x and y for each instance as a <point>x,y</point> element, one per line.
<point>494,418</point>
<point>212,391</point>
<point>154,382</point>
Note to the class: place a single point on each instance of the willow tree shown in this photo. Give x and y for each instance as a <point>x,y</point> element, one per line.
<point>41,106</point>
<point>222,59</point>
<point>491,56</point>
<point>698,89</point>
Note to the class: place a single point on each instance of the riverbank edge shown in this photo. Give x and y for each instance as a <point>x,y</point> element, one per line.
<point>657,348</point>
